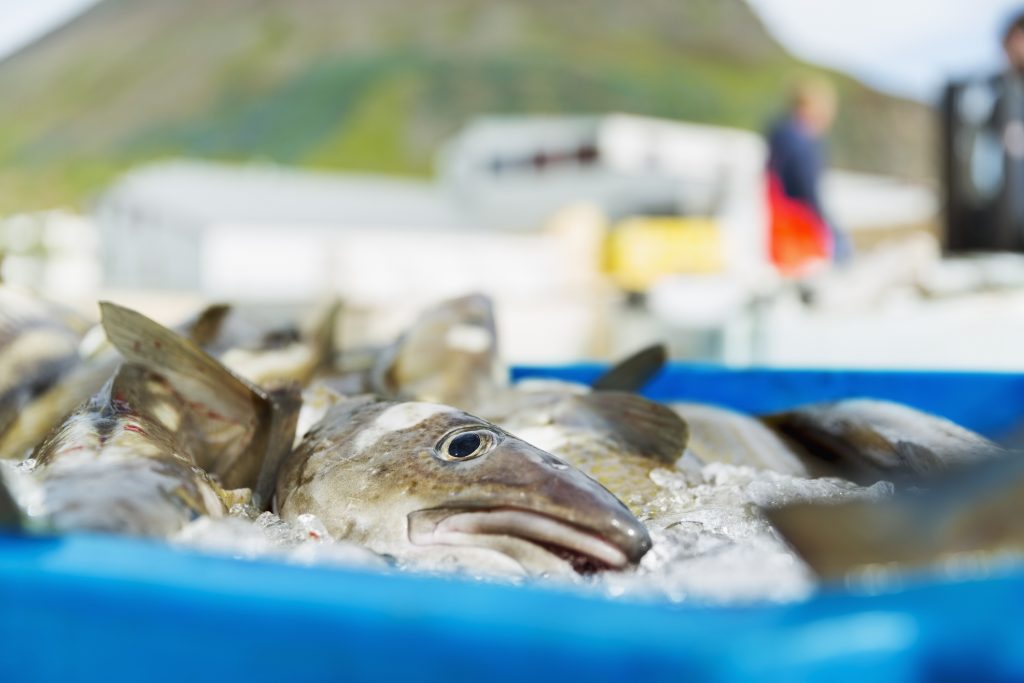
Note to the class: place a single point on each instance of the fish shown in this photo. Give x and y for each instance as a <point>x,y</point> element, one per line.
<point>268,357</point>
<point>97,363</point>
<point>975,511</point>
<point>867,440</point>
<point>618,438</point>
<point>39,347</point>
<point>422,481</point>
<point>447,355</point>
<point>172,436</point>
<point>727,436</point>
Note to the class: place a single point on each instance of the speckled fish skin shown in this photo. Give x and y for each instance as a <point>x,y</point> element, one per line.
<point>726,436</point>
<point>125,462</point>
<point>867,440</point>
<point>617,438</point>
<point>374,472</point>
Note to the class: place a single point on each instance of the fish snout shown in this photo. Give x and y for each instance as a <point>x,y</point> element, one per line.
<point>560,491</point>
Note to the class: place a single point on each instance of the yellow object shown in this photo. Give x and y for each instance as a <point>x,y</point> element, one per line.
<point>642,250</point>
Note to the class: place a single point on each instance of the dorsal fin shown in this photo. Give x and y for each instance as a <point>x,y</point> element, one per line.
<point>634,372</point>
<point>636,424</point>
<point>241,425</point>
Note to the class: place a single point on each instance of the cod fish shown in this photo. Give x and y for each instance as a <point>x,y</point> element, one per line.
<point>39,346</point>
<point>975,511</point>
<point>615,437</point>
<point>98,363</point>
<point>448,355</point>
<point>868,440</point>
<point>268,357</point>
<point>424,482</point>
<point>138,457</point>
<point>722,435</point>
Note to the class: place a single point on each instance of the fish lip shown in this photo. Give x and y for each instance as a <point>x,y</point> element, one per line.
<point>585,549</point>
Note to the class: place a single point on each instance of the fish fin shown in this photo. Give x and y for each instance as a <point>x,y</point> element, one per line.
<point>835,539</point>
<point>205,326</point>
<point>322,336</point>
<point>634,372</point>
<point>10,512</point>
<point>241,424</point>
<point>637,424</point>
<point>233,497</point>
<point>287,403</point>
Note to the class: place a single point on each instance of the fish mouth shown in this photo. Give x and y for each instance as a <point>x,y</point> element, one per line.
<point>584,550</point>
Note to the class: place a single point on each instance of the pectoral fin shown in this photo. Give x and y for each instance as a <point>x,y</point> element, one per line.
<point>634,423</point>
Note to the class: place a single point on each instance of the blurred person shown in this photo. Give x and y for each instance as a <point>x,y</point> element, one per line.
<point>801,236</point>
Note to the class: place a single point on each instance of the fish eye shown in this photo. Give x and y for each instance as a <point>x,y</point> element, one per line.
<point>466,445</point>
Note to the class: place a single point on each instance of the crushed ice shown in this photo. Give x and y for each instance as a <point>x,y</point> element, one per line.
<point>711,542</point>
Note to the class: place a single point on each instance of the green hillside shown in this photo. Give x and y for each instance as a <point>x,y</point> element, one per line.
<point>350,84</point>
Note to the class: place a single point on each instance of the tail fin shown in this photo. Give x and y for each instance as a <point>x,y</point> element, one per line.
<point>634,372</point>
<point>245,431</point>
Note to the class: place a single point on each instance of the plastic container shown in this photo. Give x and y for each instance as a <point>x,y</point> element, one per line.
<point>117,609</point>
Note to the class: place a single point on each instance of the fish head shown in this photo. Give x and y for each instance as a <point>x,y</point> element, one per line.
<point>449,355</point>
<point>420,480</point>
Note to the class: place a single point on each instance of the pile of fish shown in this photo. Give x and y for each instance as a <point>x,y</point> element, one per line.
<point>423,455</point>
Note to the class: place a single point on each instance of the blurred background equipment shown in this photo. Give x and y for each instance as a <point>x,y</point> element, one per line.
<point>983,145</point>
<point>983,169</point>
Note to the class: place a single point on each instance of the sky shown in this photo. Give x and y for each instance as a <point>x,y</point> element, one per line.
<point>907,47</point>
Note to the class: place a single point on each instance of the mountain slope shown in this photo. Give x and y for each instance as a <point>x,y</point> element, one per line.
<point>349,84</point>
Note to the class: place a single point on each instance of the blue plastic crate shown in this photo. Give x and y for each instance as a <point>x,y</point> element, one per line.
<point>118,609</point>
